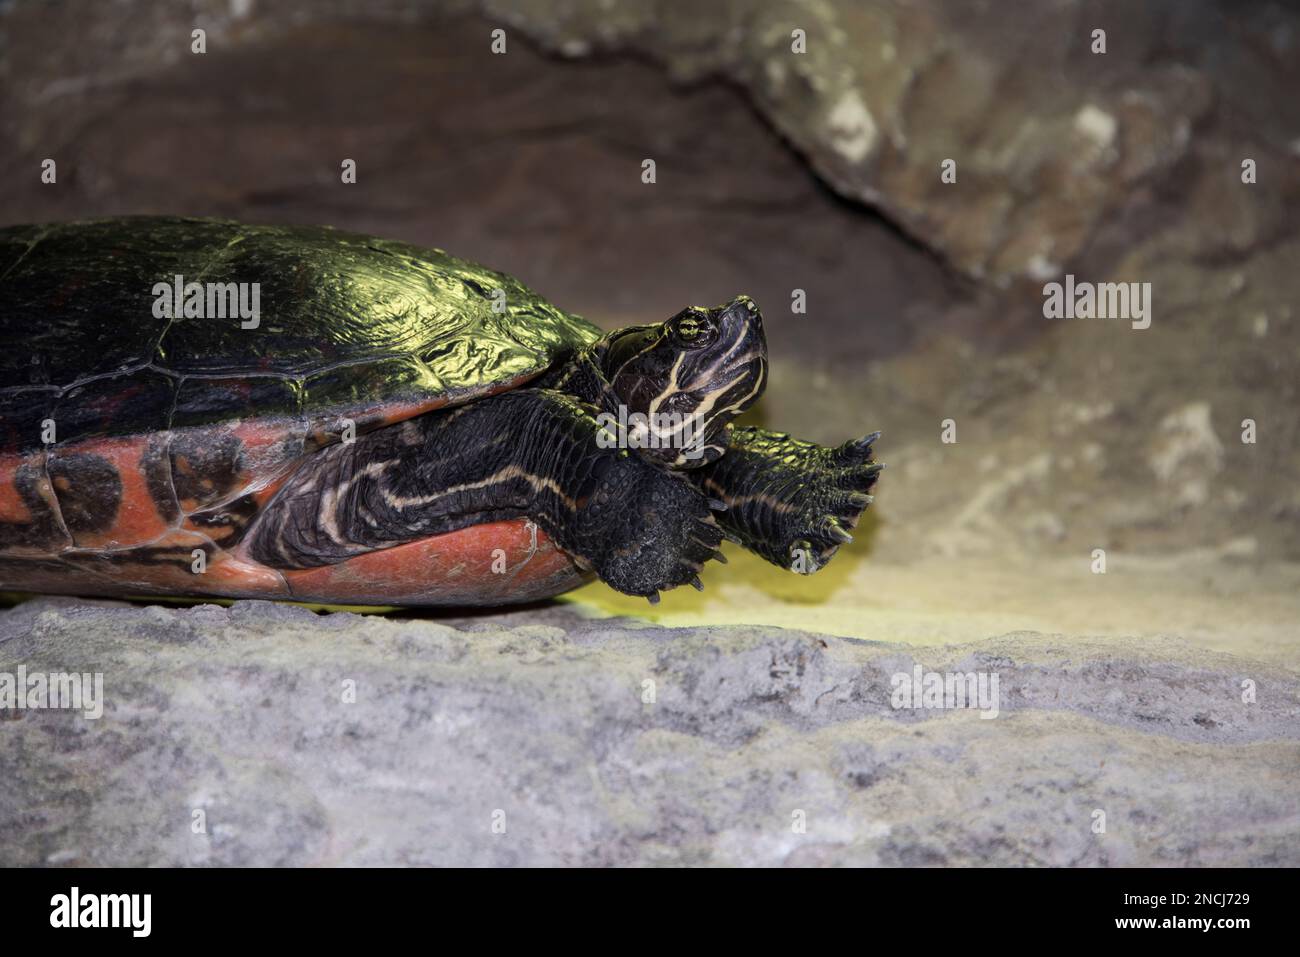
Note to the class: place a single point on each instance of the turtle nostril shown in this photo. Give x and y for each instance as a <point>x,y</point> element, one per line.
<point>741,309</point>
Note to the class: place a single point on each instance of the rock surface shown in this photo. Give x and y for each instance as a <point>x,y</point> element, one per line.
<point>1055,131</point>
<point>924,298</point>
<point>541,738</point>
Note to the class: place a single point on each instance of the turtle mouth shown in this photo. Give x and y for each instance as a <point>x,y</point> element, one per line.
<point>740,318</point>
<point>740,354</point>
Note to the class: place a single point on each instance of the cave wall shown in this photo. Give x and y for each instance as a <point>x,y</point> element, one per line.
<point>777,171</point>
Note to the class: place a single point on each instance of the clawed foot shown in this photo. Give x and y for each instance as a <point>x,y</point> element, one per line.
<point>832,502</point>
<point>793,502</point>
<point>648,530</point>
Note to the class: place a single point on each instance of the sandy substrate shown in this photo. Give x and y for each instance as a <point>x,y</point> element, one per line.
<point>1237,607</point>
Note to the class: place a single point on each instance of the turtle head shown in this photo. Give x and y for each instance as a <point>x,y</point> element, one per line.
<point>681,382</point>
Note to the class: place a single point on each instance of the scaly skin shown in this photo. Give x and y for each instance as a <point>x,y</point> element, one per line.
<point>532,452</point>
<point>789,501</point>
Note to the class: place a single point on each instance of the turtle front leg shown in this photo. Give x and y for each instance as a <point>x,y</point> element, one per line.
<point>789,501</point>
<point>530,452</point>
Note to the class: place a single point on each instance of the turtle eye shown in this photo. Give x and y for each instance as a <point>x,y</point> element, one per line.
<point>692,330</point>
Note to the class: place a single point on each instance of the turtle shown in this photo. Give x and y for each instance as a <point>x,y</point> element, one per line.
<point>200,407</point>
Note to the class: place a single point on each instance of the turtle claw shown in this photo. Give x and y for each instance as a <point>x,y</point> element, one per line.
<point>856,451</point>
<point>653,598</point>
<point>859,478</point>
<point>720,558</point>
<point>831,499</point>
<point>718,505</point>
<point>697,584</point>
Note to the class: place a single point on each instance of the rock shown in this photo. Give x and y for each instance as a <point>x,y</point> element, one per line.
<point>1186,454</point>
<point>924,298</point>
<point>1047,143</point>
<point>270,735</point>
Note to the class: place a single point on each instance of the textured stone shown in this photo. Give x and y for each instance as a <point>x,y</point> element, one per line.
<point>544,722</point>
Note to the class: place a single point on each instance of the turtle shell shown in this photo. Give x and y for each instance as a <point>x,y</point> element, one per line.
<point>128,426</point>
<point>350,327</point>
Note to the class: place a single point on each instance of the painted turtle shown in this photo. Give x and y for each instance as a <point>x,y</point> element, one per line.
<point>200,407</point>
